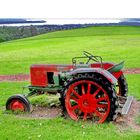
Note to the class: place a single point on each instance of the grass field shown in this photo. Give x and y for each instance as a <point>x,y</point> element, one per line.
<point>15,128</point>
<point>23,129</point>
<point>113,43</point>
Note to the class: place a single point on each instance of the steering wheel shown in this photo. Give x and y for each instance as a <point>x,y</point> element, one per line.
<point>90,56</point>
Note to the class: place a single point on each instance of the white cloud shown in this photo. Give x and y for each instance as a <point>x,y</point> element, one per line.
<point>69,9</point>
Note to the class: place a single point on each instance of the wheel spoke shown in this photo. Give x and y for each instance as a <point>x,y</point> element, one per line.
<point>73,98</point>
<point>83,89</point>
<point>85,116</point>
<point>102,105</point>
<point>96,92</point>
<point>75,93</point>
<point>89,86</point>
<point>98,114</point>
<point>74,107</point>
<point>102,99</point>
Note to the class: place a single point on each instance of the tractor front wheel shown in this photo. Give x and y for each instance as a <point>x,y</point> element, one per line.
<point>18,103</point>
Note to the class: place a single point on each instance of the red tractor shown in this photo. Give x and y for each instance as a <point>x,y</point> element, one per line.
<point>95,91</point>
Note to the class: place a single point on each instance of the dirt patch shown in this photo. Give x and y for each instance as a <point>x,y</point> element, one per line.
<point>26,77</point>
<point>43,113</point>
<point>132,71</point>
<point>16,77</point>
<point>129,120</point>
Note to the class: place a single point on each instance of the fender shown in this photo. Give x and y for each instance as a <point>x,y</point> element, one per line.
<point>100,71</point>
<point>106,66</point>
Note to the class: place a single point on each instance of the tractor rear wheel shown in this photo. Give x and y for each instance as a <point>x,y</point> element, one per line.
<point>122,86</point>
<point>18,103</point>
<point>89,98</point>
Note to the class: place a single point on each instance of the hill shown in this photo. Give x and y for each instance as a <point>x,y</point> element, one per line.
<point>112,43</point>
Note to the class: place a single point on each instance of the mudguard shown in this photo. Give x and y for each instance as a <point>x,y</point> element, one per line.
<point>100,71</point>
<point>107,66</point>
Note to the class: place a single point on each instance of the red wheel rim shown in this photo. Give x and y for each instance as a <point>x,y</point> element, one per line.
<point>87,100</point>
<point>17,105</point>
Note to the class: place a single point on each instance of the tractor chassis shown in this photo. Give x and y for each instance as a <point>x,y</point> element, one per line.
<point>35,90</point>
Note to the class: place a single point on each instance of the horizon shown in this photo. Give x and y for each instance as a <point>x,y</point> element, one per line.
<point>65,21</point>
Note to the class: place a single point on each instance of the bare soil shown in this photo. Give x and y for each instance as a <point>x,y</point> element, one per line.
<point>43,113</point>
<point>129,120</point>
<point>26,77</point>
<point>16,77</point>
<point>132,71</point>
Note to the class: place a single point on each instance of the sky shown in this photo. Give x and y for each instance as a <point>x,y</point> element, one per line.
<point>70,9</point>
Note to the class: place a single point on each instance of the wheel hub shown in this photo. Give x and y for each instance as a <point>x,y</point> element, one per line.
<point>87,103</point>
<point>16,105</point>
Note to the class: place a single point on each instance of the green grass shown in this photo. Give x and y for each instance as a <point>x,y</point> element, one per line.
<point>59,128</point>
<point>46,100</point>
<point>138,120</point>
<point>134,85</point>
<point>56,129</point>
<point>112,43</point>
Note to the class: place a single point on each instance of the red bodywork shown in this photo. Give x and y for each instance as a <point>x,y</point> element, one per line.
<point>38,73</point>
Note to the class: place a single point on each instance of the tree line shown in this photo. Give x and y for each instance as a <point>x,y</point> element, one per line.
<point>17,32</point>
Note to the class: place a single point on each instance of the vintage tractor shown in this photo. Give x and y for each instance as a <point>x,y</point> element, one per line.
<point>95,91</point>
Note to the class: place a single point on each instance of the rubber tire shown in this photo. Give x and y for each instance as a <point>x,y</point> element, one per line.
<point>22,98</point>
<point>104,83</point>
<point>123,86</point>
